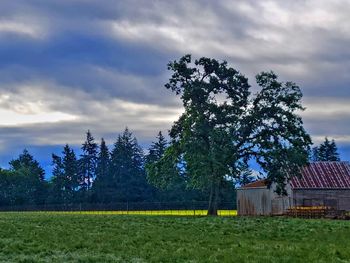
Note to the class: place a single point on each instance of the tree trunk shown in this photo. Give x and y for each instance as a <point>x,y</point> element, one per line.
<point>214,199</point>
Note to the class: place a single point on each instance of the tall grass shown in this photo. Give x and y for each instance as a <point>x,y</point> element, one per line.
<point>56,237</point>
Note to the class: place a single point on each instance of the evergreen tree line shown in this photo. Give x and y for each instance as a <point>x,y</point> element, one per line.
<point>326,151</point>
<point>101,175</point>
<point>97,175</point>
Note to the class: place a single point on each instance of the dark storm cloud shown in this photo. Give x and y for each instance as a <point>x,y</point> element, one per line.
<point>103,63</point>
<point>97,65</point>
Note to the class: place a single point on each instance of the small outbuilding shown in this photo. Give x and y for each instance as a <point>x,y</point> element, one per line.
<point>320,184</point>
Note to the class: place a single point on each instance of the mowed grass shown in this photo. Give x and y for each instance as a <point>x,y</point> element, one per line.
<point>64,237</point>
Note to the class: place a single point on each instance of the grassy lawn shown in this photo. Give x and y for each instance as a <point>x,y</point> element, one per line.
<point>55,237</point>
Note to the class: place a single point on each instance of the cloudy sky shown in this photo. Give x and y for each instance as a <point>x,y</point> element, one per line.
<point>71,65</point>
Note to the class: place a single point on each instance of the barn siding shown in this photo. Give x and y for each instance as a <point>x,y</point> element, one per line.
<point>339,197</point>
<point>280,204</point>
<point>253,201</point>
<point>262,201</point>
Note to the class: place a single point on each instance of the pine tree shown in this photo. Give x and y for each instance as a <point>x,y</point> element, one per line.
<point>313,155</point>
<point>327,151</point>
<point>70,169</point>
<point>31,187</point>
<point>10,183</point>
<point>333,154</point>
<point>87,162</point>
<point>127,168</point>
<point>245,175</point>
<point>155,153</point>
<point>102,184</point>
<point>26,164</point>
<point>65,176</point>
<point>57,180</point>
<point>177,191</point>
<point>324,150</point>
<point>157,149</point>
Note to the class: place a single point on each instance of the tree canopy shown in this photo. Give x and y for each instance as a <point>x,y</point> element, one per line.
<point>127,164</point>
<point>326,151</point>
<point>224,126</point>
<point>64,181</point>
<point>24,183</point>
<point>87,162</point>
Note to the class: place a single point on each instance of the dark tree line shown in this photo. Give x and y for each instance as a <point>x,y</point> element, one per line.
<point>97,175</point>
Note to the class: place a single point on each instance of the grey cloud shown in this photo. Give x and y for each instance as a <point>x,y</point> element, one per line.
<point>105,61</point>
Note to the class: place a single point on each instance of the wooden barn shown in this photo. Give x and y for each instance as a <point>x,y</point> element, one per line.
<point>320,184</point>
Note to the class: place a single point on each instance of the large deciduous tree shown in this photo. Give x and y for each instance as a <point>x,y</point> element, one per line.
<point>223,127</point>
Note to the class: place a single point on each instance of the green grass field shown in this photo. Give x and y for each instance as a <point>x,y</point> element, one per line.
<point>87,237</point>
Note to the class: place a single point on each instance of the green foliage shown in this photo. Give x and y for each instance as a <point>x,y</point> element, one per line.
<point>25,181</point>
<point>87,162</point>
<point>70,169</point>
<point>171,188</point>
<point>57,181</point>
<point>127,168</point>
<point>326,151</point>
<point>223,127</point>
<point>164,172</point>
<point>246,175</point>
<point>157,149</point>
<point>279,137</point>
<point>54,237</point>
<point>27,166</point>
<point>64,182</point>
<point>103,185</point>
<point>12,186</point>
<point>118,177</point>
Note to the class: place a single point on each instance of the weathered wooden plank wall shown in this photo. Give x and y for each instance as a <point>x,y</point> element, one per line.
<point>254,201</point>
<point>337,197</point>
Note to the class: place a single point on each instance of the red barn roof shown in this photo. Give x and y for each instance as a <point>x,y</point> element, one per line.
<point>259,183</point>
<point>323,175</point>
